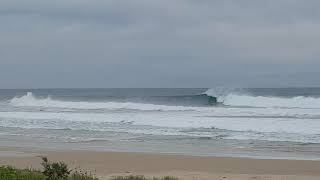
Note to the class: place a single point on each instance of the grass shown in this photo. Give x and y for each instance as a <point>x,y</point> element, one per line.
<point>60,171</point>
<point>11,173</point>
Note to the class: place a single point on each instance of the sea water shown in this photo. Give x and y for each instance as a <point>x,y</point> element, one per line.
<point>263,122</point>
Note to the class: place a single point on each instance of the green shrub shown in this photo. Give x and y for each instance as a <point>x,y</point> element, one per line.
<point>55,170</point>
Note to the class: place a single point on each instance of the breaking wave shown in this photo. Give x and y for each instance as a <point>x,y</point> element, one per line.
<point>297,120</point>
<point>210,97</point>
<point>230,98</point>
<point>30,100</point>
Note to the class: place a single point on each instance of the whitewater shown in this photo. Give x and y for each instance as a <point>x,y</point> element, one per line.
<point>237,115</point>
<point>231,99</point>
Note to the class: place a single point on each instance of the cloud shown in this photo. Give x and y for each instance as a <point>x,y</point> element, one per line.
<point>93,43</point>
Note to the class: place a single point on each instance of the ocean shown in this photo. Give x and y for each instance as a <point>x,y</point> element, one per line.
<point>252,122</point>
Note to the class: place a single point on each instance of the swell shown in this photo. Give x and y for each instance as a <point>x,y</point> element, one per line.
<point>29,100</point>
<point>176,103</point>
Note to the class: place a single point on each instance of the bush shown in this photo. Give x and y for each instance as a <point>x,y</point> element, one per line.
<point>60,171</point>
<point>55,170</point>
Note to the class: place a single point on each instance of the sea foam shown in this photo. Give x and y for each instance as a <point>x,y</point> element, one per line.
<point>30,100</point>
<point>232,98</point>
<point>244,116</point>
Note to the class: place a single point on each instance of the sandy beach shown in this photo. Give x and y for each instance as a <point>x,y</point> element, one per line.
<point>107,164</point>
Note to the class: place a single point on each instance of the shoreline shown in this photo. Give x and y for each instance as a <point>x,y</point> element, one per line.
<point>168,146</point>
<point>107,164</point>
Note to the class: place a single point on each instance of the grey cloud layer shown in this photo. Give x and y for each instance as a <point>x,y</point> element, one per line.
<point>143,43</point>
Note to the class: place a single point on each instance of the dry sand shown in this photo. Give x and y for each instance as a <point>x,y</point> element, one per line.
<point>108,164</point>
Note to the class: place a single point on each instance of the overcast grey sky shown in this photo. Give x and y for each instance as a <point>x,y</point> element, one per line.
<point>159,43</point>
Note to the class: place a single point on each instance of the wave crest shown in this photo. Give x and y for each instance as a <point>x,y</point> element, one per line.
<point>231,97</point>
<point>30,100</point>
<point>224,97</point>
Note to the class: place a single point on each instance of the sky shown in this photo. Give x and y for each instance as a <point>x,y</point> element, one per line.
<point>159,43</point>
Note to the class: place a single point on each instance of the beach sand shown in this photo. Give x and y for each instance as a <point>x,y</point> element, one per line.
<point>107,164</point>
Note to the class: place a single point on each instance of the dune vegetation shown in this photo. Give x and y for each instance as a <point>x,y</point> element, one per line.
<point>60,171</point>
